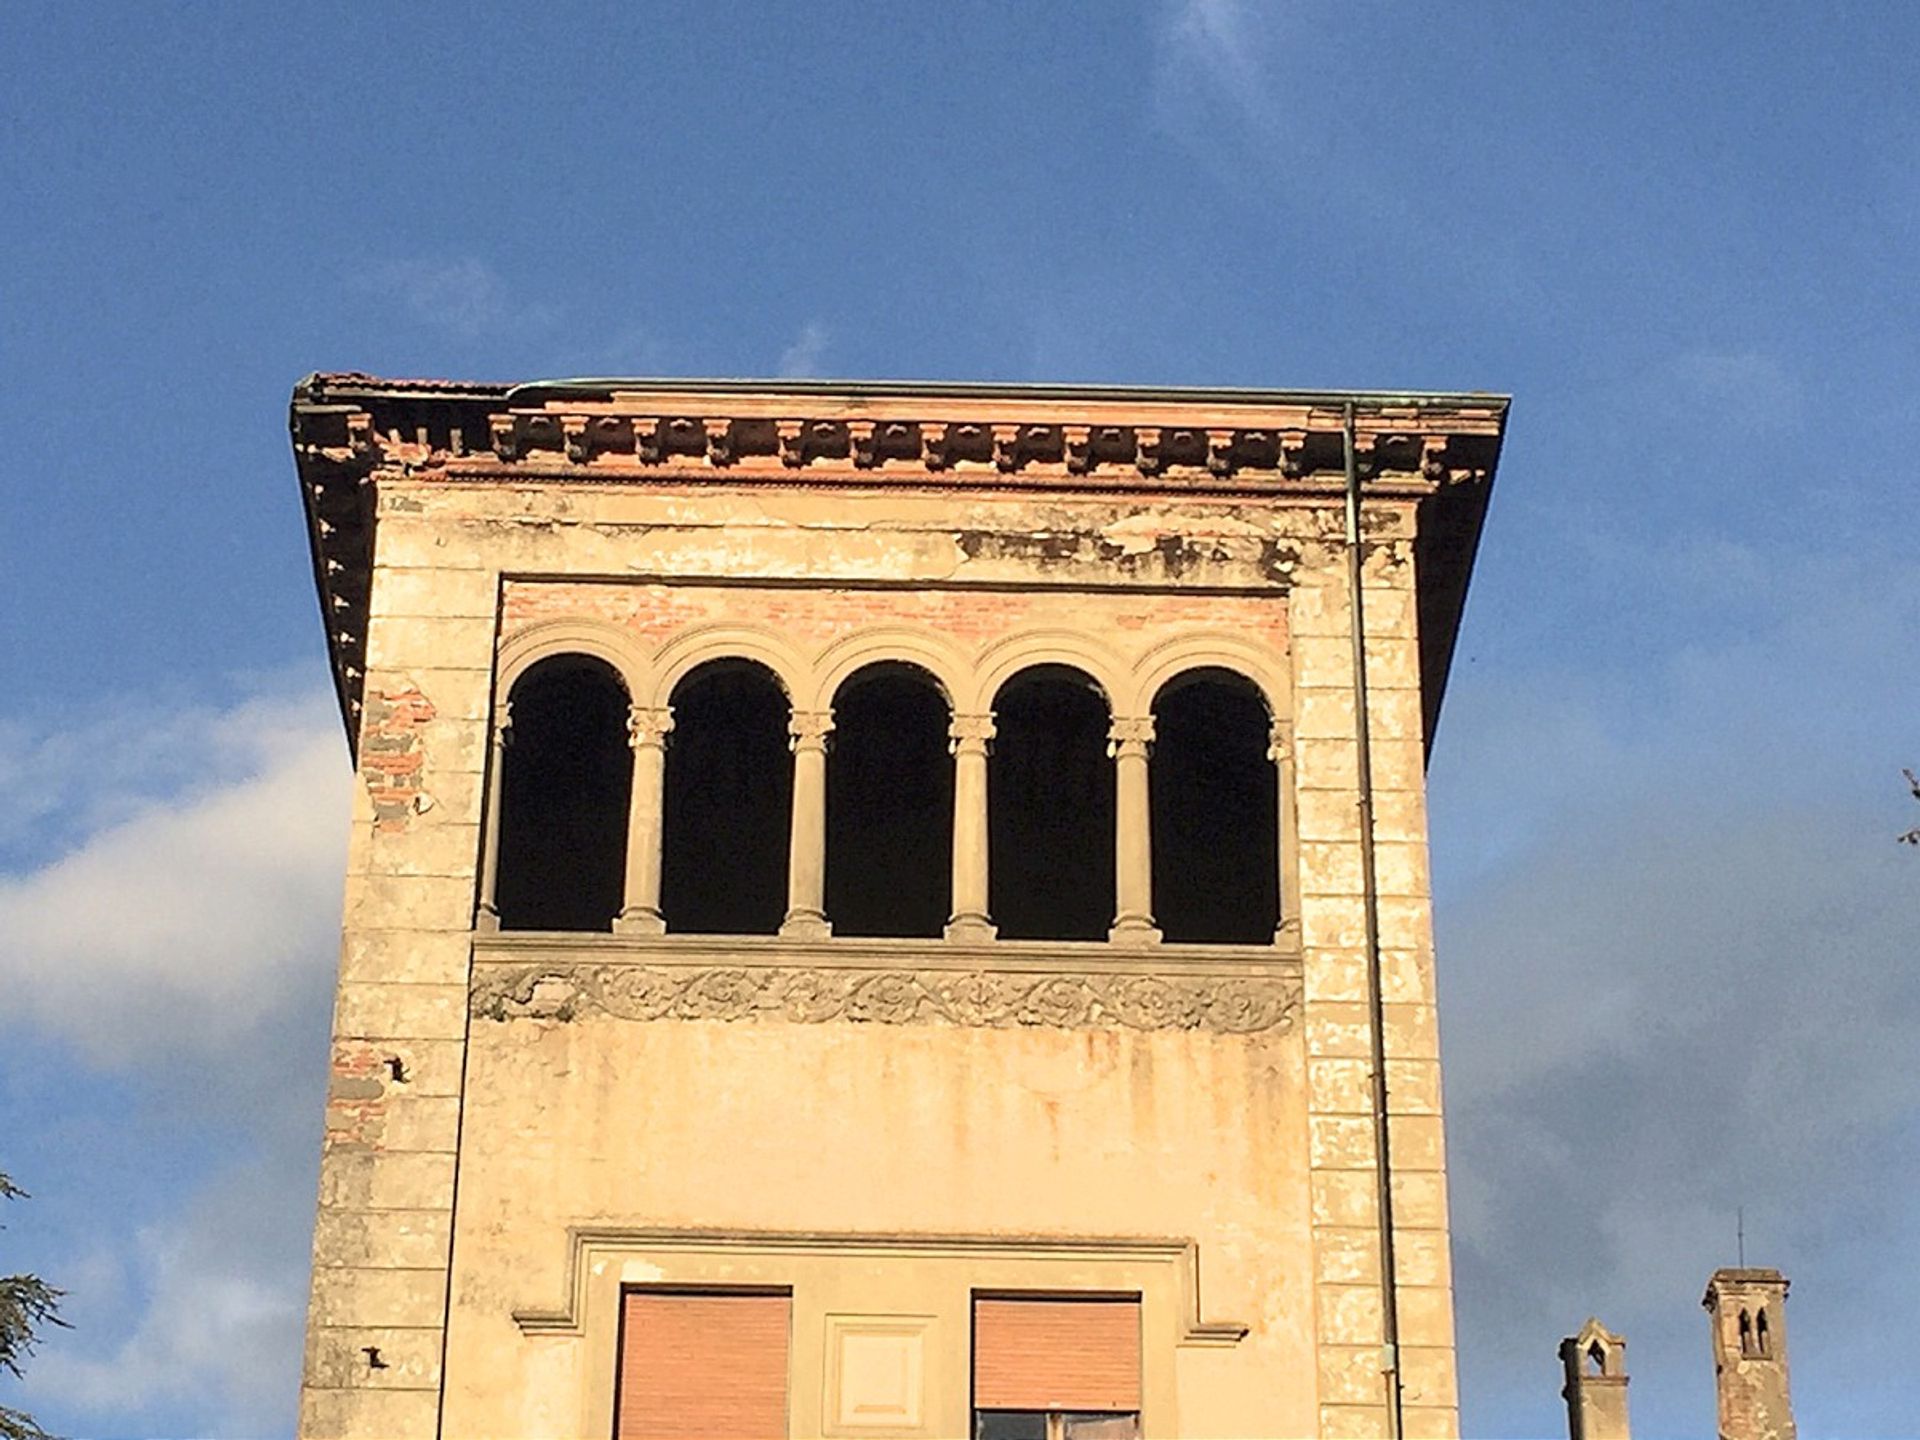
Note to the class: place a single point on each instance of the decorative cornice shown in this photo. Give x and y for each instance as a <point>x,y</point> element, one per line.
<point>354,433</point>
<point>581,444</point>
<point>563,991</point>
<point>1174,441</point>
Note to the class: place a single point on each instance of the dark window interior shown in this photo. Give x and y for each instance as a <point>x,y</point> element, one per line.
<point>889,805</point>
<point>565,779</point>
<point>728,802</point>
<point>1050,808</point>
<point>1215,806</point>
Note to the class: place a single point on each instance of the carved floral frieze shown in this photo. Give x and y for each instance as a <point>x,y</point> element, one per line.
<point>1228,1004</point>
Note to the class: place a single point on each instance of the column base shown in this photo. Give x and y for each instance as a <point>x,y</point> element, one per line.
<point>487,920</point>
<point>639,920</point>
<point>970,930</point>
<point>805,925</point>
<point>1287,932</point>
<point>1134,930</point>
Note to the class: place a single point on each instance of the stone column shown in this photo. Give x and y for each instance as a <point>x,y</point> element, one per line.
<point>488,917</point>
<point>970,921</point>
<point>647,731</point>
<point>1280,752</point>
<point>807,854</point>
<point>1129,742</point>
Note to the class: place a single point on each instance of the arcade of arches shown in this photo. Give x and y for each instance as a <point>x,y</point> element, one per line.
<point>728,812</point>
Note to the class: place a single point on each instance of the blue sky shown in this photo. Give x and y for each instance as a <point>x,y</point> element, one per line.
<point>1676,935</point>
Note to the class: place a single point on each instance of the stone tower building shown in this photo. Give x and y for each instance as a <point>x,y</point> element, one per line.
<point>885,910</point>
<point>1747,1319</point>
<point>1596,1387</point>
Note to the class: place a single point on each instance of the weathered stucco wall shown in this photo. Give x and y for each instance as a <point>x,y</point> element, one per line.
<point>1256,1147</point>
<point>876,1129</point>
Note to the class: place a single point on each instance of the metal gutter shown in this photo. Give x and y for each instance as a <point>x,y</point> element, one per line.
<point>969,390</point>
<point>1370,898</point>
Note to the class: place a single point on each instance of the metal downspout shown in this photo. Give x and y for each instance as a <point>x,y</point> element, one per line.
<point>1370,900</point>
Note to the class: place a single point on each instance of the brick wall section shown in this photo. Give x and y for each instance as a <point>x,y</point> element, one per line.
<point>387,1168</point>
<point>1342,1160</point>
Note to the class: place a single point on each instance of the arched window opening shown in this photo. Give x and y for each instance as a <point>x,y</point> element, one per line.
<point>1596,1359</point>
<point>1050,803</point>
<point>565,780</point>
<point>1216,867</point>
<point>729,801</point>
<point>889,804</point>
<point>1746,1333</point>
<point>1760,1333</point>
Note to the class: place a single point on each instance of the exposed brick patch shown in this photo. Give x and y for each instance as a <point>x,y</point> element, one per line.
<point>390,755</point>
<point>356,1099</point>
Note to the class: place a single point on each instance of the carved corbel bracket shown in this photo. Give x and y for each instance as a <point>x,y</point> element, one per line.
<point>647,440</point>
<point>1146,449</point>
<point>504,430</point>
<point>792,436</point>
<point>860,439</point>
<point>1078,441</point>
<point>1006,448</point>
<point>1293,452</point>
<point>933,445</point>
<point>1220,451</point>
<point>719,436</point>
<point>579,444</point>
<point>362,443</point>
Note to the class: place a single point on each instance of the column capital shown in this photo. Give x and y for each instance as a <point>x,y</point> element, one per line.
<point>648,725</point>
<point>1130,735</point>
<point>502,722</point>
<point>969,734</point>
<point>1280,741</point>
<point>809,729</point>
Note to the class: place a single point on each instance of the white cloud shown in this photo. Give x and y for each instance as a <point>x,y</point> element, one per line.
<point>802,358</point>
<point>188,920</point>
<point>220,1294</point>
<point>465,296</point>
<point>180,925</point>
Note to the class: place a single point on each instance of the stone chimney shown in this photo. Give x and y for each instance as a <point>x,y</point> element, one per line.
<point>1747,1309</point>
<point>1596,1388</point>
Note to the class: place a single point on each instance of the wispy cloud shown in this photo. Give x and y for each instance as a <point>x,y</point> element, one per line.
<point>802,358</point>
<point>1737,388</point>
<point>465,296</point>
<point>1212,87</point>
<point>218,1295</point>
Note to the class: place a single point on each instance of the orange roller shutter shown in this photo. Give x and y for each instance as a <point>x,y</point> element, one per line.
<point>703,1366</point>
<point>1054,1353</point>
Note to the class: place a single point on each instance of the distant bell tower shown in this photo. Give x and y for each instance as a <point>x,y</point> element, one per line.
<point>1747,1309</point>
<point>1596,1388</point>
